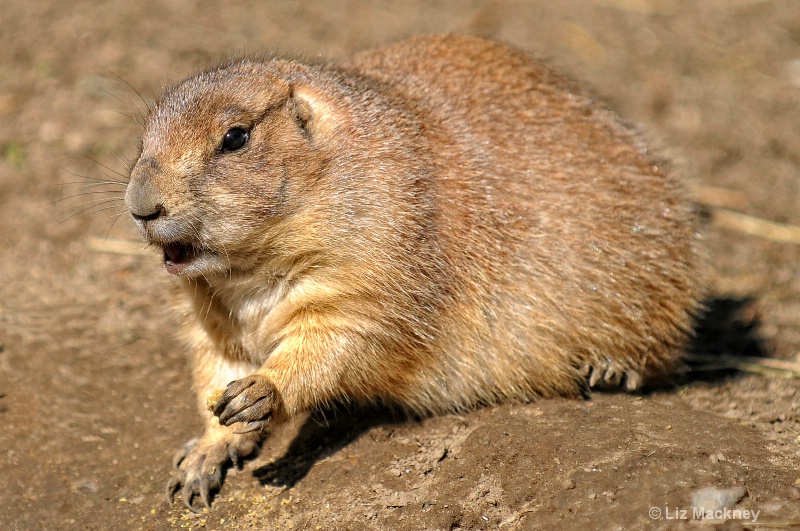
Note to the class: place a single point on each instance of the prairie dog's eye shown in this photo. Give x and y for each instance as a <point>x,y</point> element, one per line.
<point>234,139</point>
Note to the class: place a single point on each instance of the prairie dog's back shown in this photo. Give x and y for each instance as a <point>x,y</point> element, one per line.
<point>584,250</point>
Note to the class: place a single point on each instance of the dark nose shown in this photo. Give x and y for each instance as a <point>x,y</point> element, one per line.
<point>142,197</point>
<point>155,214</point>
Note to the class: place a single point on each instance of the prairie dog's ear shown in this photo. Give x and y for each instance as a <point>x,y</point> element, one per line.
<point>313,112</point>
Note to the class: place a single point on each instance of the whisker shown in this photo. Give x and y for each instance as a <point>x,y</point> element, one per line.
<point>115,172</point>
<point>195,288</point>
<point>97,194</point>
<point>126,115</point>
<point>90,178</point>
<point>228,258</point>
<point>93,209</point>
<point>90,185</point>
<point>104,209</point>
<point>147,105</point>
<point>91,202</point>
<point>126,104</point>
<point>210,299</point>
<point>124,163</point>
<point>98,190</point>
<point>72,211</point>
<point>113,223</point>
<point>95,201</point>
<point>98,204</point>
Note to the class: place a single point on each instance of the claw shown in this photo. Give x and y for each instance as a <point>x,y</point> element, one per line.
<point>172,485</point>
<point>594,377</point>
<point>242,409</point>
<point>253,398</point>
<point>255,425</point>
<point>229,416</point>
<point>233,390</point>
<point>610,375</point>
<point>613,376</point>
<point>234,456</point>
<point>181,454</point>
<point>178,458</point>
<point>251,412</point>
<point>205,488</point>
<point>187,493</point>
<point>200,466</point>
<point>632,380</point>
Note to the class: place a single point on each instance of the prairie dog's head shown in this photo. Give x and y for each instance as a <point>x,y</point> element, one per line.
<point>226,157</point>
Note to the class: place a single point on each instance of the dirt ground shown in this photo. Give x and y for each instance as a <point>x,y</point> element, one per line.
<point>94,391</point>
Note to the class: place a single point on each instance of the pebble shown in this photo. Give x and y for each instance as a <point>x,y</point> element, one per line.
<point>716,498</point>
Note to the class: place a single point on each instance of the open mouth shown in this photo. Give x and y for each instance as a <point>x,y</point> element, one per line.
<point>178,256</point>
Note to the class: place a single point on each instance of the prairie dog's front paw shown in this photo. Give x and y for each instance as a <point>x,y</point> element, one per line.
<point>253,400</point>
<point>200,463</point>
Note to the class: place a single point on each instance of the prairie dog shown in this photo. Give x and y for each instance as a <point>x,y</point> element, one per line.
<point>438,224</point>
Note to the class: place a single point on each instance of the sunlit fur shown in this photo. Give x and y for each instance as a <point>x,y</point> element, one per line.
<point>437,224</point>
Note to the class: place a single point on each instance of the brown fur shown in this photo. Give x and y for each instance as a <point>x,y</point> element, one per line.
<point>437,224</point>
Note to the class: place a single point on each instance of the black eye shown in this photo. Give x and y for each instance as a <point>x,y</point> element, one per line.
<point>234,139</point>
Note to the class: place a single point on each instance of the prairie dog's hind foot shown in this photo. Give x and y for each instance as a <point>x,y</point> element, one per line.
<point>199,465</point>
<point>608,374</point>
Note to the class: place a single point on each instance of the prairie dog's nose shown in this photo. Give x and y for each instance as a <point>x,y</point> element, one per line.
<point>142,197</point>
